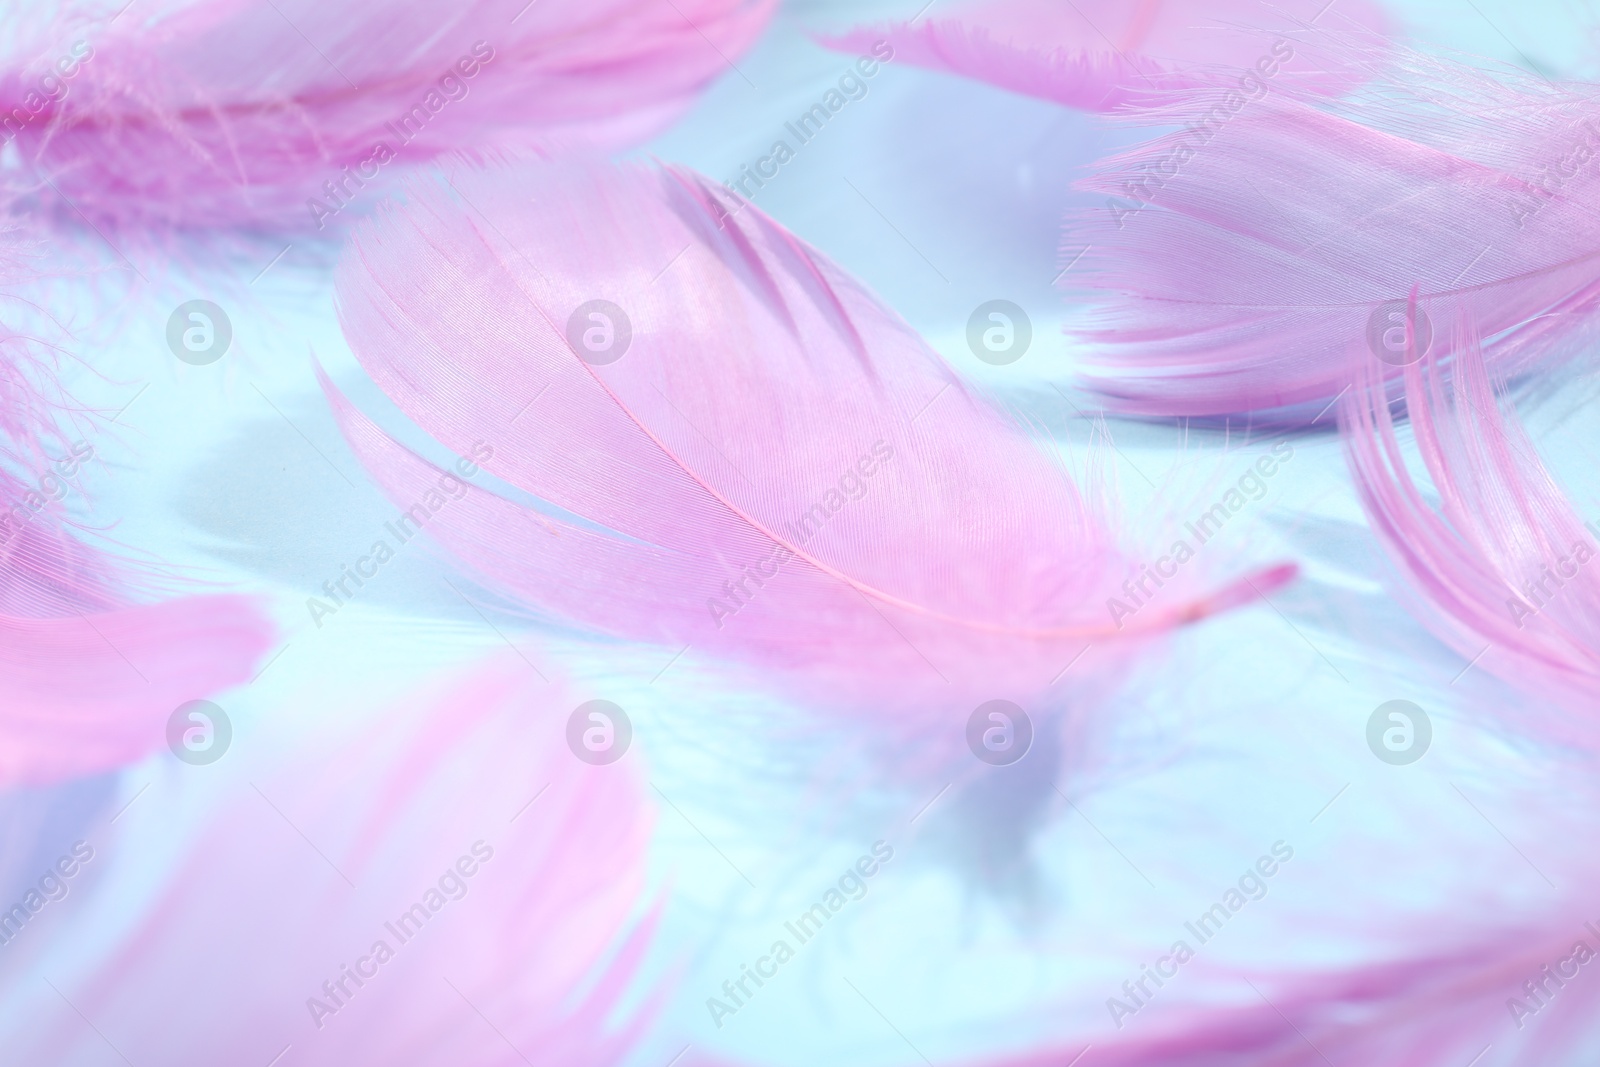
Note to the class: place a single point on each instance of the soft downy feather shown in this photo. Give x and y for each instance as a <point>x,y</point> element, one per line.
<point>777,471</point>
<point>88,674</point>
<point>1443,1008</point>
<point>527,868</point>
<point>230,112</point>
<point>1502,567</point>
<point>1097,55</point>
<point>1236,262</point>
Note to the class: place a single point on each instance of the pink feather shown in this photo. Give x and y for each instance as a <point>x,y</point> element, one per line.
<point>92,690</point>
<point>1438,1009</point>
<point>1502,567</point>
<point>528,868</point>
<point>88,677</point>
<point>1096,55</point>
<point>1237,261</point>
<point>777,471</point>
<point>223,112</point>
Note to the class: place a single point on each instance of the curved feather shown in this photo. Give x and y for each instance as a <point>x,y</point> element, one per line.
<point>225,112</point>
<point>1502,567</point>
<point>1236,263</point>
<point>777,471</point>
<point>1097,55</point>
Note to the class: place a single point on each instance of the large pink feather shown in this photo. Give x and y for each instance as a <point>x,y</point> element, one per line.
<point>1237,261</point>
<point>1502,567</point>
<point>777,470</point>
<point>220,112</point>
<point>1099,54</point>
<point>522,870</point>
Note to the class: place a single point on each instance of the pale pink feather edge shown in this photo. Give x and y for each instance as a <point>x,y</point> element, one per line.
<point>579,849</point>
<point>1099,77</point>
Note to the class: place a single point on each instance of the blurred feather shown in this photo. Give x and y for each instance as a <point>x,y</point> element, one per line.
<point>225,112</point>
<point>1239,262</point>
<point>526,865</point>
<point>1097,55</point>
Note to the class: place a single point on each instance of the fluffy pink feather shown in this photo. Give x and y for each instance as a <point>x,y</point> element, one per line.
<point>88,677</point>
<point>1502,567</point>
<point>1237,261</point>
<point>1098,54</point>
<point>777,471</point>
<point>221,112</point>
<point>527,867</point>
